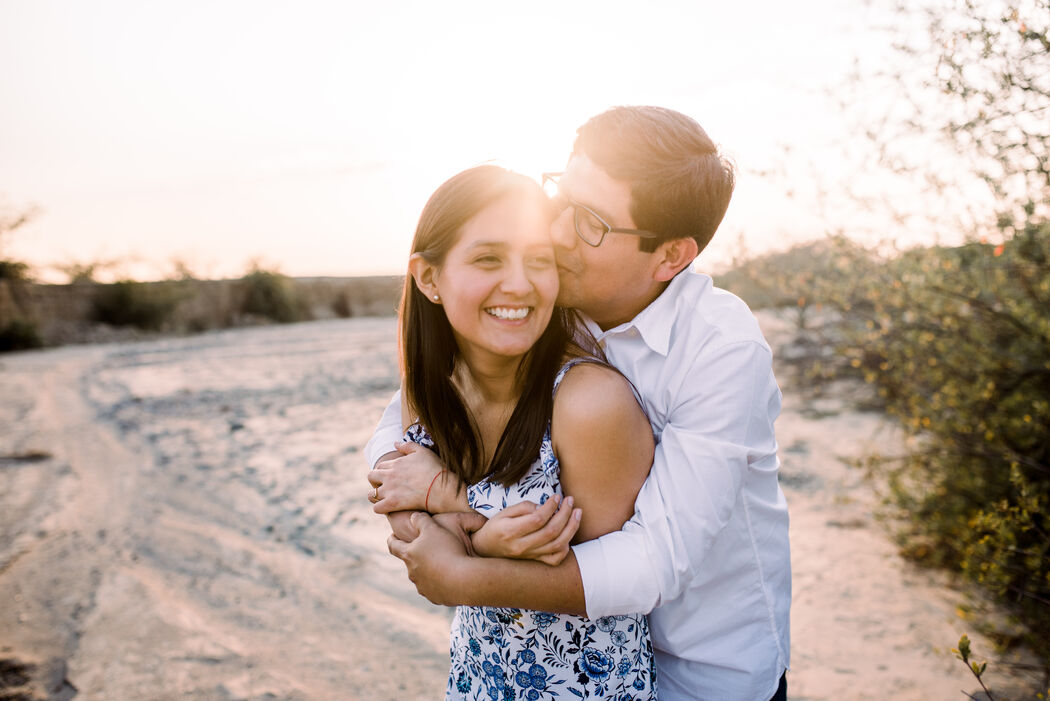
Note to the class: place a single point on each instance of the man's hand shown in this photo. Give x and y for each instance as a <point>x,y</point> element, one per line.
<point>527,531</point>
<point>401,525</point>
<point>460,523</point>
<point>436,560</point>
<point>401,482</point>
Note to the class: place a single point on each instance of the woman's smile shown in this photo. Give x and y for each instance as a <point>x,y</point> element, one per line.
<point>509,313</point>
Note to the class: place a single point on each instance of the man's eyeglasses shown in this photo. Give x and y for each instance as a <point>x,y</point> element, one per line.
<point>590,227</point>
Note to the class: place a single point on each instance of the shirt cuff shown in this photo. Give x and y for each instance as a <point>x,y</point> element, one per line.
<point>591,561</point>
<point>617,577</point>
<point>387,432</point>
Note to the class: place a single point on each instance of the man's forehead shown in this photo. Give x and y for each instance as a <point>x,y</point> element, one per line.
<point>589,184</point>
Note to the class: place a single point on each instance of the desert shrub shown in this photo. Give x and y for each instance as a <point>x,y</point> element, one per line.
<point>957,343</point>
<point>139,304</point>
<point>814,286</point>
<point>10,222</point>
<point>19,334</point>
<point>341,306</point>
<point>954,341</point>
<point>14,270</point>
<point>271,295</point>
<point>800,277</point>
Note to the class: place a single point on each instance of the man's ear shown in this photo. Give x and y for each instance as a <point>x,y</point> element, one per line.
<point>424,273</point>
<point>673,256</point>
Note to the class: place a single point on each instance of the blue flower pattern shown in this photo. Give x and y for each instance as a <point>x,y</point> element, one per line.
<point>507,653</point>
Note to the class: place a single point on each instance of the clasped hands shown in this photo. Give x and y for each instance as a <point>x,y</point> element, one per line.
<point>416,480</point>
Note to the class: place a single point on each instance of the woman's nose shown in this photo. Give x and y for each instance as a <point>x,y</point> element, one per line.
<point>517,280</point>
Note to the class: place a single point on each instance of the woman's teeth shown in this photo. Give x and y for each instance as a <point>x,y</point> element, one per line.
<point>508,313</point>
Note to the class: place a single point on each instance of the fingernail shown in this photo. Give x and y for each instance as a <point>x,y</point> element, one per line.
<point>557,499</point>
<point>569,501</point>
<point>577,514</point>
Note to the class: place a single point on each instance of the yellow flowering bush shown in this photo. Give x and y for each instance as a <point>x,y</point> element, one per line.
<point>956,344</point>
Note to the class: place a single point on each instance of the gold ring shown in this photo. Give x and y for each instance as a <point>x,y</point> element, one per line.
<point>375,496</point>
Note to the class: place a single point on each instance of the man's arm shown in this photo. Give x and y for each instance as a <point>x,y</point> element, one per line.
<point>380,448</point>
<point>382,443</point>
<point>717,432</point>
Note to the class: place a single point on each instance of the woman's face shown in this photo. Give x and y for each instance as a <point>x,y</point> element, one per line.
<point>499,281</point>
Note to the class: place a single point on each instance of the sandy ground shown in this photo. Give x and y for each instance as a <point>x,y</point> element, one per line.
<point>186,518</point>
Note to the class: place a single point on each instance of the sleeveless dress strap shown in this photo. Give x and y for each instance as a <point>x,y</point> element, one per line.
<point>573,362</point>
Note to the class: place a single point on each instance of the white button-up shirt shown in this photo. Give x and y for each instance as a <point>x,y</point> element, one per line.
<point>707,549</point>
<point>706,552</point>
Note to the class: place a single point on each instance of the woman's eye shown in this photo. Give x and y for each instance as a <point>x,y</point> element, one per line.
<point>487,260</point>
<point>542,261</point>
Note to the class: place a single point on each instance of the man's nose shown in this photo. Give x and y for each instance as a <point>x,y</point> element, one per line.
<point>563,233</point>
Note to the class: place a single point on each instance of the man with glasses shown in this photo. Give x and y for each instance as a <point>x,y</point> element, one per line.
<point>706,552</point>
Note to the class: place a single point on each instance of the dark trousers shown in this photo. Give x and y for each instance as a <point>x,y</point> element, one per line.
<point>782,690</point>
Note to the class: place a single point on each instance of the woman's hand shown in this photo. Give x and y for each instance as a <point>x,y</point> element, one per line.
<point>527,531</point>
<point>402,483</point>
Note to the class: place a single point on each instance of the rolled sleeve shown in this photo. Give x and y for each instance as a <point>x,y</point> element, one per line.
<point>387,432</point>
<point>613,558</point>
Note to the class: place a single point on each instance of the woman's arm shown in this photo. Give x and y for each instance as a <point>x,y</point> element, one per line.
<point>604,444</point>
<point>414,478</point>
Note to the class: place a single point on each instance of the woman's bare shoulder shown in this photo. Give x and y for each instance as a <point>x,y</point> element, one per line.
<point>592,396</point>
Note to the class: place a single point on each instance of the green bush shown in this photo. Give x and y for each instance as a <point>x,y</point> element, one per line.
<point>813,286</point>
<point>14,270</point>
<point>272,295</point>
<point>341,306</point>
<point>19,334</point>
<point>139,304</point>
<point>957,343</point>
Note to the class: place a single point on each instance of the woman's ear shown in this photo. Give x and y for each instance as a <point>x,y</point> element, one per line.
<point>425,274</point>
<point>673,256</point>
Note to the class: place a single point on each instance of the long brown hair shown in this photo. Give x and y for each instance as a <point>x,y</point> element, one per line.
<point>428,347</point>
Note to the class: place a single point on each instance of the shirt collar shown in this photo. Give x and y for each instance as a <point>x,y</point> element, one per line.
<point>653,323</point>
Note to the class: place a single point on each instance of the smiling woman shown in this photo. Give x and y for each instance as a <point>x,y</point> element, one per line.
<point>479,302</point>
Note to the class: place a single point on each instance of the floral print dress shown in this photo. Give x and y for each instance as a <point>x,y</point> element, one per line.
<point>502,654</point>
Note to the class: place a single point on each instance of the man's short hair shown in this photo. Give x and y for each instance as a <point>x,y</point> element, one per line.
<point>680,183</point>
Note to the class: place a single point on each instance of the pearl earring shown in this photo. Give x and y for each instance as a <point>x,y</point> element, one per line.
<point>436,298</point>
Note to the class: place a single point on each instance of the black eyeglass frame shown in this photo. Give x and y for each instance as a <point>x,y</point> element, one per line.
<point>608,229</point>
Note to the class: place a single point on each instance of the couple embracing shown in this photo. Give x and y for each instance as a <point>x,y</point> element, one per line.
<point>586,465</point>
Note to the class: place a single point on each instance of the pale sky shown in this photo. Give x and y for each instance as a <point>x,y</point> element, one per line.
<point>310,134</point>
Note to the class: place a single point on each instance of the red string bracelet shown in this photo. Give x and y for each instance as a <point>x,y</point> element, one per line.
<point>426,501</point>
